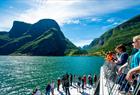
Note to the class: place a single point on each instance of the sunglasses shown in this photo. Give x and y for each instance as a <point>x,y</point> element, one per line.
<point>134,42</point>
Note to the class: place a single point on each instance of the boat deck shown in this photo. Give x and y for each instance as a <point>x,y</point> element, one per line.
<point>73,90</point>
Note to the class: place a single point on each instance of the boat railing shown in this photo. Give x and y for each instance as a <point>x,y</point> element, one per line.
<point>114,80</point>
<point>97,87</point>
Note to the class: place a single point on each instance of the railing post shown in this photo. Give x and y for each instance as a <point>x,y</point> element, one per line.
<point>97,88</point>
<point>137,86</point>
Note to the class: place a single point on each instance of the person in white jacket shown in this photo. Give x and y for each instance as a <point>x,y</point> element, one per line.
<point>52,87</point>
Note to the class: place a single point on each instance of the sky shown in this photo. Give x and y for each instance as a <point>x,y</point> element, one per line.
<point>81,21</point>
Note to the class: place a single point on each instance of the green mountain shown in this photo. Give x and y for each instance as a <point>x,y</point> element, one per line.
<point>4,37</point>
<point>43,38</point>
<point>18,29</point>
<point>122,34</point>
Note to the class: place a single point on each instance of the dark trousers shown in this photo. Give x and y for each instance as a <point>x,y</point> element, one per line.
<point>58,87</point>
<point>125,84</point>
<point>67,91</point>
<point>70,82</point>
<point>121,78</point>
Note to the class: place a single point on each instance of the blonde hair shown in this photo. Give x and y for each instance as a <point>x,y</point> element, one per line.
<point>136,37</point>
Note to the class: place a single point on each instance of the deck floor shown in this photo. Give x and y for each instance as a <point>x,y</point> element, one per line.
<point>73,90</point>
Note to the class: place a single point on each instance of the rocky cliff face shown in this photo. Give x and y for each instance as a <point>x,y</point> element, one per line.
<point>42,38</point>
<point>18,29</point>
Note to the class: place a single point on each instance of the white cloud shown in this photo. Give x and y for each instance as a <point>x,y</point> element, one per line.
<point>65,11</point>
<point>58,10</point>
<point>96,19</point>
<point>82,42</point>
<point>72,21</point>
<point>111,20</point>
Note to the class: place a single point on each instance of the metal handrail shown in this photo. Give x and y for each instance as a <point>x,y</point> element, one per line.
<point>97,87</point>
<point>114,86</point>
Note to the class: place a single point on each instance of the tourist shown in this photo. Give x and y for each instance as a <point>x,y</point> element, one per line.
<point>89,80</point>
<point>109,64</point>
<point>48,89</point>
<point>136,69</point>
<point>52,87</point>
<point>36,91</point>
<point>134,66</point>
<point>58,83</point>
<point>67,75</point>
<point>74,79</point>
<point>71,77</point>
<point>95,79</point>
<point>79,83</point>
<point>67,86</point>
<point>124,69</point>
<point>62,81</point>
<point>122,59</point>
<point>123,55</point>
<point>110,57</point>
<point>84,80</point>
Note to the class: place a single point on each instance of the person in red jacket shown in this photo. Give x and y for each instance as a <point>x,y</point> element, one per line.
<point>84,80</point>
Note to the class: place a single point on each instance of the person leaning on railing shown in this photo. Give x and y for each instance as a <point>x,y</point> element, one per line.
<point>109,65</point>
<point>136,69</point>
<point>121,60</point>
<point>122,56</point>
<point>110,59</point>
<point>136,58</point>
<point>124,69</point>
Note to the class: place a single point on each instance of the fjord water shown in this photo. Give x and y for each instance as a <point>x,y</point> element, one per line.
<point>20,74</point>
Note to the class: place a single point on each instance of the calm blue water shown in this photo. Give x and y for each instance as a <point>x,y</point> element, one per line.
<point>20,74</point>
